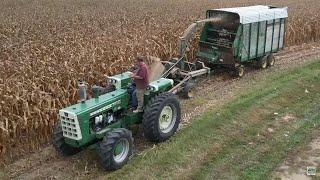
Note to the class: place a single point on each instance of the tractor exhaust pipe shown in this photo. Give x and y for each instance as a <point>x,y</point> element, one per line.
<point>82,91</point>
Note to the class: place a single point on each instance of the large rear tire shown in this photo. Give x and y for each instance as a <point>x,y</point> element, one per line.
<point>60,145</point>
<point>116,148</point>
<point>161,117</point>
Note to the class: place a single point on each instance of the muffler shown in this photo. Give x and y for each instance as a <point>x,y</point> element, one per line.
<point>82,91</point>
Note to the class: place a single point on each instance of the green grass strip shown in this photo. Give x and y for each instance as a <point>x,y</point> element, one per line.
<point>216,144</point>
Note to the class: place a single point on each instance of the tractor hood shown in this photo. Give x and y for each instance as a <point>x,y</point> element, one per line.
<point>75,119</point>
<point>93,104</point>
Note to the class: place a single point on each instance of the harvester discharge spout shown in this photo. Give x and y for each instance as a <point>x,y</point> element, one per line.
<point>185,39</point>
<point>190,32</point>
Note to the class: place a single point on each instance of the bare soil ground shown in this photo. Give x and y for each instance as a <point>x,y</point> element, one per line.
<point>210,93</point>
<point>295,165</point>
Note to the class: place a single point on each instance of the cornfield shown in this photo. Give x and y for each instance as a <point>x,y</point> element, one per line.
<point>46,46</point>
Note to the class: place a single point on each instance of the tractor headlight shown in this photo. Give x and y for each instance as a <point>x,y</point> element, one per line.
<point>112,81</point>
<point>98,119</point>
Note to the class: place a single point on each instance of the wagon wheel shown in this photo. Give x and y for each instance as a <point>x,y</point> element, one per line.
<point>271,60</point>
<point>186,91</point>
<point>239,71</point>
<point>263,62</point>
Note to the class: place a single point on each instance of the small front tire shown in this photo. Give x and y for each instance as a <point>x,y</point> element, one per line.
<point>115,149</point>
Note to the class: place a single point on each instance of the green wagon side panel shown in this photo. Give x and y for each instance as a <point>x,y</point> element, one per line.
<point>275,41</point>
<point>245,42</point>
<point>282,34</point>
<point>262,38</point>
<point>237,43</point>
<point>270,39</point>
<point>253,40</point>
<point>269,36</point>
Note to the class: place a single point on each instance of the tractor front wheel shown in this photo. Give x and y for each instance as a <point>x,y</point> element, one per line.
<point>60,145</point>
<point>161,117</point>
<point>116,148</point>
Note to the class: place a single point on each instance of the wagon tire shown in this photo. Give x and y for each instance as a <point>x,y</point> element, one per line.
<point>60,145</point>
<point>263,62</point>
<point>115,149</point>
<point>239,71</point>
<point>161,117</point>
<point>186,91</point>
<point>271,60</point>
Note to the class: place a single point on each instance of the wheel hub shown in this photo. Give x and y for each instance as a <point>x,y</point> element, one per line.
<point>167,119</point>
<point>241,72</point>
<point>121,150</point>
<point>272,61</point>
<point>264,64</point>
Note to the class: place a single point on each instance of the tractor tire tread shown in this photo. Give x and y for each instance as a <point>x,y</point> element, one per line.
<point>150,129</point>
<point>106,147</point>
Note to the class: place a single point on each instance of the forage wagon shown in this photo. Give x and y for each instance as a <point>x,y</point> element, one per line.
<point>231,37</point>
<point>240,35</point>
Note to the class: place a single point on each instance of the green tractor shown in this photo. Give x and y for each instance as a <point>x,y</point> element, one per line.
<point>230,37</point>
<point>102,122</point>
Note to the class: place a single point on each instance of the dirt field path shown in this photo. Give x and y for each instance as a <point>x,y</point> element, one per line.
<point>295,165</point>
<point>211,93</point>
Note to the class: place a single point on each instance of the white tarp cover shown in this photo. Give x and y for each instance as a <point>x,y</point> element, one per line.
<point>251,14</point>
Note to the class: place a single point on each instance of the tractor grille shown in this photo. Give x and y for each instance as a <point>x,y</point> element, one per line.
<point>70,125</point>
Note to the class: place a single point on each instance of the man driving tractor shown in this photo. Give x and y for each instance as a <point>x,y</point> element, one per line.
<point>140,77</point>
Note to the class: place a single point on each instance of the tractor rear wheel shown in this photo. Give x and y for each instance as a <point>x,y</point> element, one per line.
<point>60,145</point>
<point>116,148</point>
<point>161,117</point>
